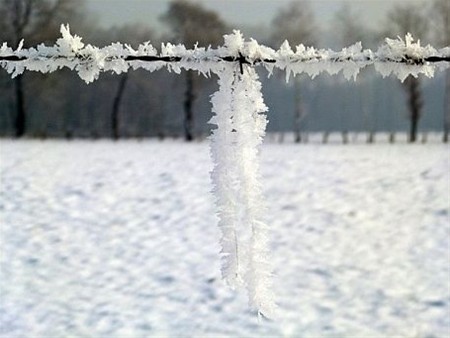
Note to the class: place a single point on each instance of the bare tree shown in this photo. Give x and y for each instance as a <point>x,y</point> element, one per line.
<point>349,25</point>
<point>295,23</point>
<point>191,24</point>
<point>133,35</point>
<point>440,26</point>
<point>115,118</point>
<point>35,21</point>
<point>350,28</point>
<point>401,20</point>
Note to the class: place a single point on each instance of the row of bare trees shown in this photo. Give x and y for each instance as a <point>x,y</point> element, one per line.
<point>137,104</point>
<point>430,24</point>
<point>37,21</point>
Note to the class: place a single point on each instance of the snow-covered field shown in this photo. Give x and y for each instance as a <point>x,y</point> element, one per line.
<point>103,239</point>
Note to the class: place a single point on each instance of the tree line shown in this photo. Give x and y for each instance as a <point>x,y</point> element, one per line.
<point>139,104</point>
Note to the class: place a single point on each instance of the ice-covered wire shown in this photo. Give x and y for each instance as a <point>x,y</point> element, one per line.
<point>401,57</point>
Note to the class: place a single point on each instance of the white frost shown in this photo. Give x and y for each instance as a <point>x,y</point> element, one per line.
<point>241,124</point>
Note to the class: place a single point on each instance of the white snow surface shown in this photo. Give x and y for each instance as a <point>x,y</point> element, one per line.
<point>103,239</point>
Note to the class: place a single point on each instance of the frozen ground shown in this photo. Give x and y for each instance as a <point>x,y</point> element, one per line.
<point>102,239</point>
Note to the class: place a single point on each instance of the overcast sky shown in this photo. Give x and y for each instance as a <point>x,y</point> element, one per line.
<point>236,12</point>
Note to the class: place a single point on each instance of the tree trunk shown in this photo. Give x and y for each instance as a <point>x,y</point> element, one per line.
<point>20,118</point>
<point>298,113</point>
<point>415,105</point>
<point>188,103</point>
<point>447,106</point>
<point>115,121</point>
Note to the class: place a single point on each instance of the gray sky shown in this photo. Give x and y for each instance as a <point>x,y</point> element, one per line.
<point>237,12</point>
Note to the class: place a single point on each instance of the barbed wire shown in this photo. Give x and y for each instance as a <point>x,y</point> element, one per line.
<point>240,59</point>
<point>399,57</point>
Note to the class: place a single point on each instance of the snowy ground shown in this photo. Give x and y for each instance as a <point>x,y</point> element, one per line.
<point>102,239</point>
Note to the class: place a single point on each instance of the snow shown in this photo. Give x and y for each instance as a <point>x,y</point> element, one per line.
<point>120,239</point>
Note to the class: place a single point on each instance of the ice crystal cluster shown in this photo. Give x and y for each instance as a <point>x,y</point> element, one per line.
<point>239,118</point>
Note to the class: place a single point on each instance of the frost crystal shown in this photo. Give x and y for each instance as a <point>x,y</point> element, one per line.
<point>396,51</point>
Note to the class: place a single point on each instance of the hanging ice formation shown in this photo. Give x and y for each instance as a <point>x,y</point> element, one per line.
<point>239,116</point>
<point>240,121</point>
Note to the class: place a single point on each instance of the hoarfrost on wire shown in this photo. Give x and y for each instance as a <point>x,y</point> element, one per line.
<point>239,116</point>
<point>399,57</point>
